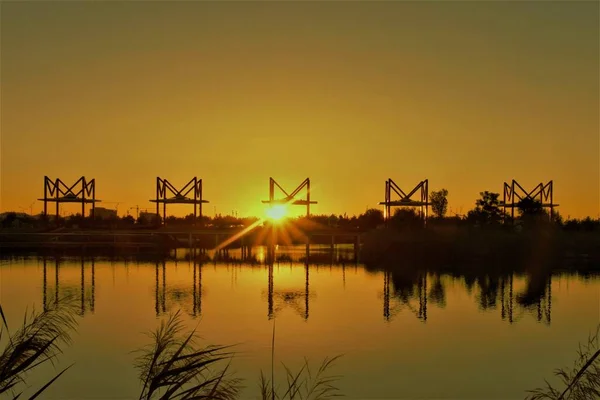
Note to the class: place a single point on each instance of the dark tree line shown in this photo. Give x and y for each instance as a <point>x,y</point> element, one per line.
<point>487,212</point>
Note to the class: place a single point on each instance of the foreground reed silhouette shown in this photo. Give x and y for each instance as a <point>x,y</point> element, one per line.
<point>174,366</point>
<point>37,342</point>
<point>582,382</point>
<point>301,385</point>
<point>171,366</point>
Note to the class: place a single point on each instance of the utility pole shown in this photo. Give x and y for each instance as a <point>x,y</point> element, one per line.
<point>137,211</point>
<point>30,208</point>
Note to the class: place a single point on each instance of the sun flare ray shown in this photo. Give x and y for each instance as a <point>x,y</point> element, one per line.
<point>238,235</point>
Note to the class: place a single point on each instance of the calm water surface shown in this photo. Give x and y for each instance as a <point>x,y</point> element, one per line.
<point>431,337</point>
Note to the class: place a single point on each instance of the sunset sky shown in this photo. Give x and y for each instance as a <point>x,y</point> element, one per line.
<point>466,94</point>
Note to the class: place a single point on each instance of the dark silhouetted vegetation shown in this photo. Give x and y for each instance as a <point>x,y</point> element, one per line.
<point>406,219</point>
<point>37,342</point>
<point>530,208</point>
<point>303,384</point>
<point>582,382</point>
<point>487,213</point>
<point>487,210</point>
<point>371,219</point>
<point>173,367</point>
<point>439,202</point>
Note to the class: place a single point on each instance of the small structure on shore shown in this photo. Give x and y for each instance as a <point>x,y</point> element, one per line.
<point>164,188</point>
<point>290,198</point>
<point>514,194</point>
<point>82,191</point>
<point>405,199</point>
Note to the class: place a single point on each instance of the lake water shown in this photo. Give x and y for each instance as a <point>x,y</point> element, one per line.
<point>430,337</point>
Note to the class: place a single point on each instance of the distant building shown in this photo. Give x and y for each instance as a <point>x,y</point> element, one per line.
<point>104,213</point>
<point>148,218</point>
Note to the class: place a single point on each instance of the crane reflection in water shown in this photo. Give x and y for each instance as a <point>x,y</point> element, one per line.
<point>297,299</point>
<point>412,290</point>
<point>53,291</point>
<point>178,294</point>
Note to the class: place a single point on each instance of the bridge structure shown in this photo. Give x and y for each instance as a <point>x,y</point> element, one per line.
<point>405,199</point>
<point>82,191</point>
<point>167,193</point>
<point>514,194</point>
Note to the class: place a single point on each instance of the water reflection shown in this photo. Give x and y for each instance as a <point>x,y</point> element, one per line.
<point>160,295</point>
<point>537,297</point>
<point>404,291</point>
<point>323,306</point>
<point>273,254</point>
<point>295,298</point>
<point>530,301</point>
<point>87,294</point>
<point>197,289</point>
<point>437,292</point>
<point>168,297</point>
<point>411,290</point>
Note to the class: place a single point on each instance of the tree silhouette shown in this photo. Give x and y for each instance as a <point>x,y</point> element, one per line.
<point>439,202</point>
<point>532,212</point>
<point>529,207</point>
<point>557,219</point>
<point>9,219</point>
<point>406,219</point>
<point>371,219</point>
<point>588,224</point>
<point>128,220</point>
<point>487,209</point>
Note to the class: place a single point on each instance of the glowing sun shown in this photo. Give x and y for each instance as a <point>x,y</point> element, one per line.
<point>277,212</point>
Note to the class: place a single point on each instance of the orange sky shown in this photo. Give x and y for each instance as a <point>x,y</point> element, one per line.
<point>467,95</point>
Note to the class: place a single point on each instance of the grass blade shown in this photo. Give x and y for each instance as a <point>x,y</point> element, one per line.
<point>173,366</point>
<point>36,394</point>
<point>38,341</point>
